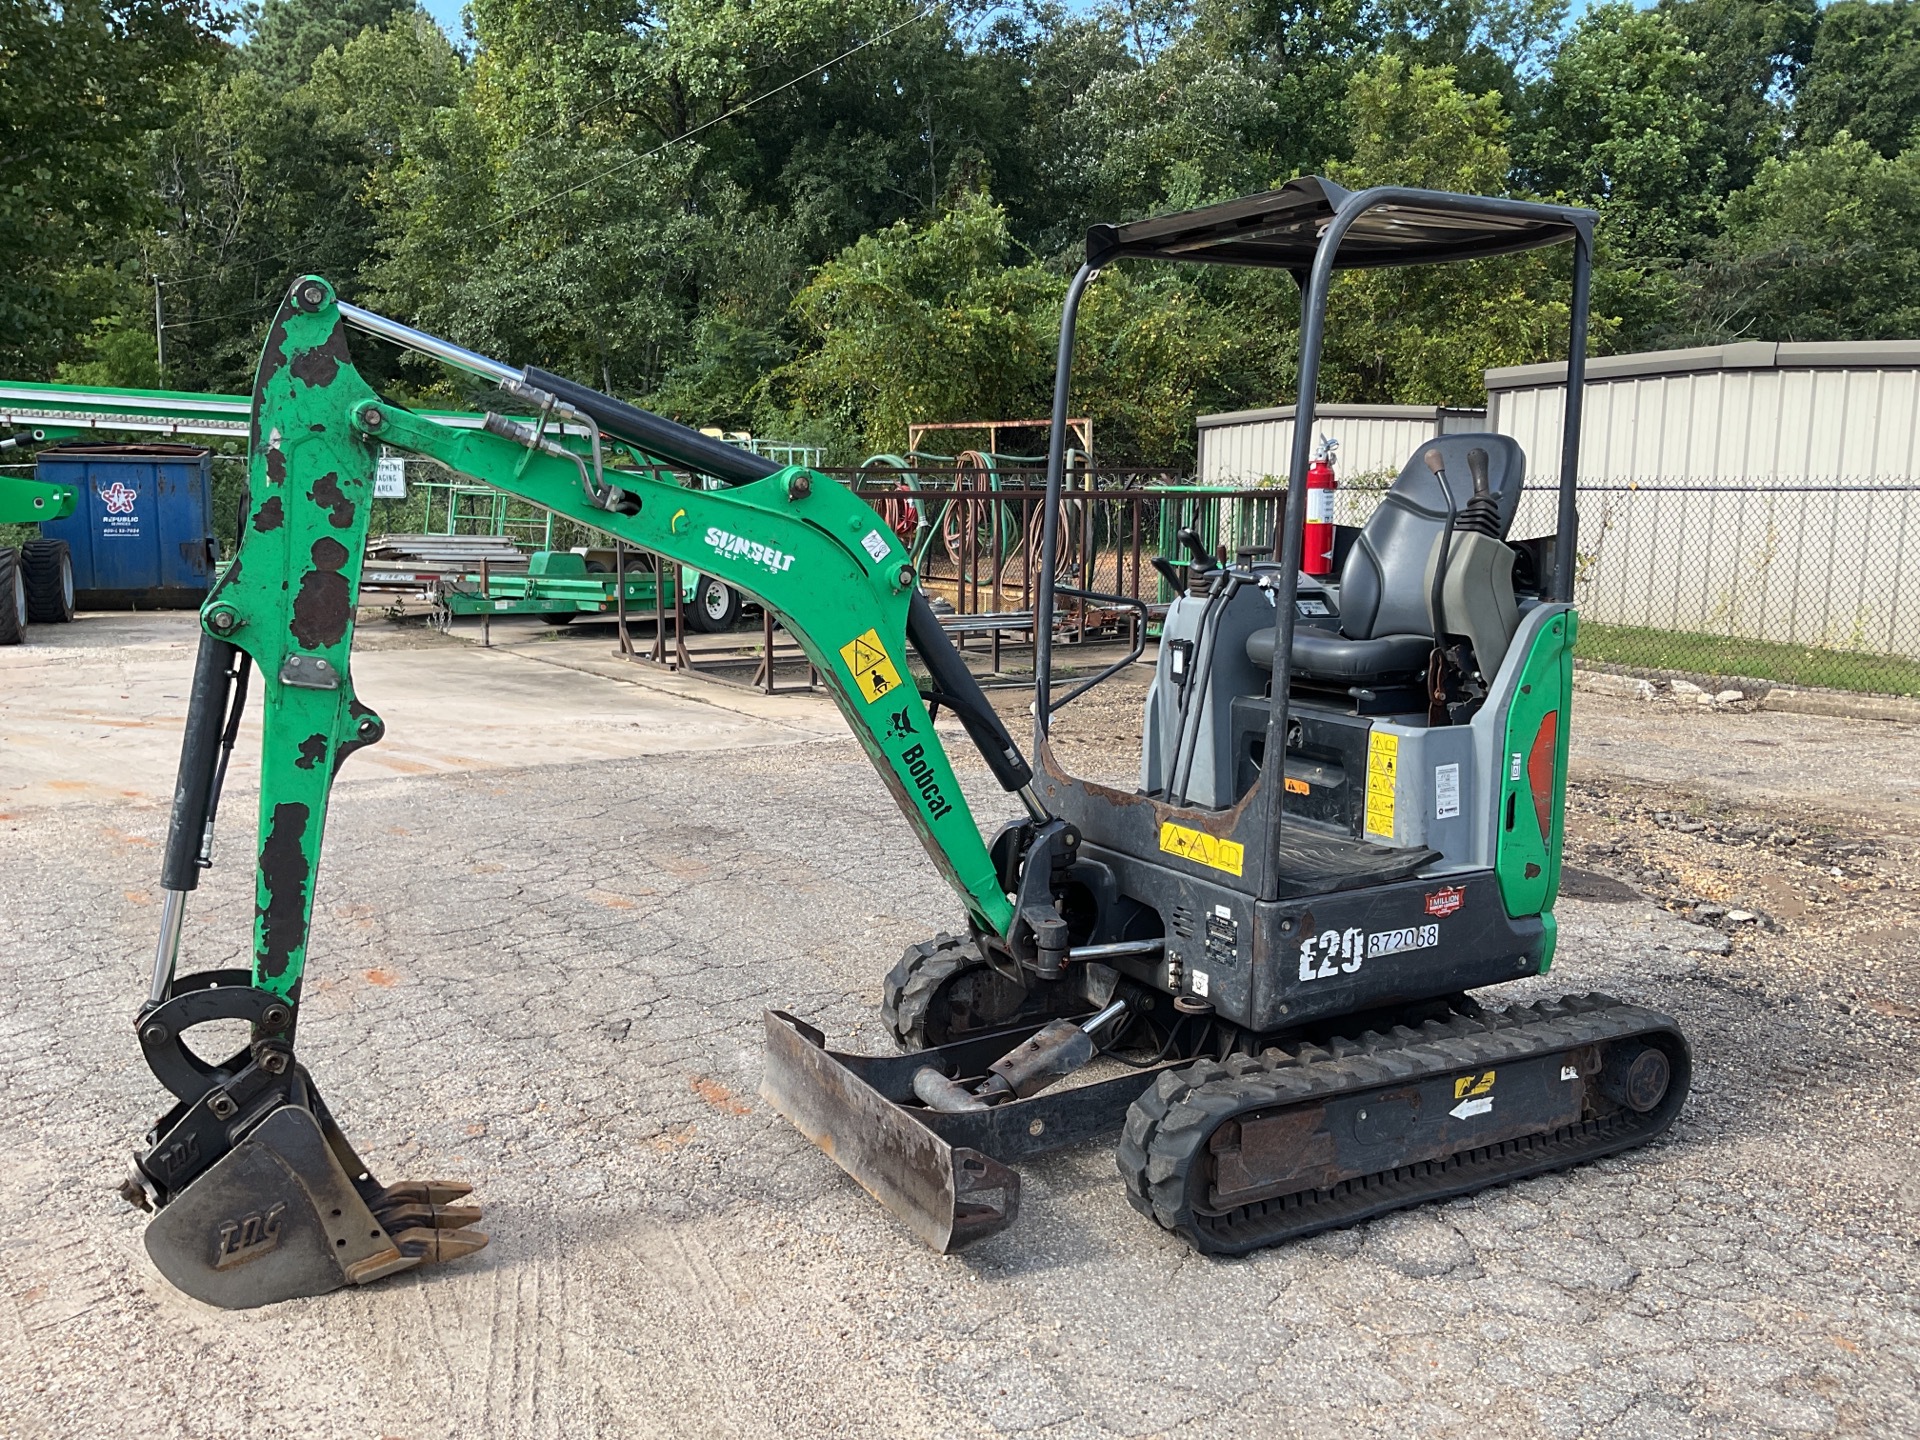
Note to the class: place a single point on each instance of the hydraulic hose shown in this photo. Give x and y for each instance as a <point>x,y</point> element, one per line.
<point>961,693</point>
<point>657,436</point>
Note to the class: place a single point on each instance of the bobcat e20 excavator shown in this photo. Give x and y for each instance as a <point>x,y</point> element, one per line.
<point>1348,817</point>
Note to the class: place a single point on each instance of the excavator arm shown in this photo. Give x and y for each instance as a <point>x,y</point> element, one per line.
<point>256,1193</point>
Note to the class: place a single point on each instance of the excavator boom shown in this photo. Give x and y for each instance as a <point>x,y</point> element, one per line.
<point>266,1175</point>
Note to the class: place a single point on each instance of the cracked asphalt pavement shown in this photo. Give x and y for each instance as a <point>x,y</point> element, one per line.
<point>547,979</point>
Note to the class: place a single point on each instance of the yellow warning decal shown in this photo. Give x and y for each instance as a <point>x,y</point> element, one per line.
<point>1202,848</point>
<point>873,669</point>
<point>1383,768</point>
<point>1297,787</point>
<point>1468,1085</point>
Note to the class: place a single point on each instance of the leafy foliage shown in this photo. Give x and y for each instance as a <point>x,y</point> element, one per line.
<point>832,219</point>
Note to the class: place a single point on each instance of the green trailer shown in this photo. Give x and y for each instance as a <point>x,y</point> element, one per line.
<point>557,585</point>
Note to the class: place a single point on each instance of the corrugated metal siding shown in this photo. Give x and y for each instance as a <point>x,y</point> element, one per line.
<point>1695,513</point>
<point>1259,451</point>
<point>1751,425</point>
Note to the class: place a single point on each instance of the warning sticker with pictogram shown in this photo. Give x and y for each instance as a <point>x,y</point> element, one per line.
<point>1202,848</point>
<point>1383,772</point>
<point>873,669</point>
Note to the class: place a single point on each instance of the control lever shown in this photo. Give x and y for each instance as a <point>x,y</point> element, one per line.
<point>1055,1052</point>
<point>1436,684</point>
<point>1477,467</point>
<point>1189,539</point>
<point>1482,515</point>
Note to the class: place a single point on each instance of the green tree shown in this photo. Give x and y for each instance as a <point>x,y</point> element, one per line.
<point>287,36</point>
<point>1863,76</point>
<point>1621,123</point>
<point>1492,46</point>
<point>1159,345</point>
<point>921,324</point>
<point>81,85</point>
<point>1752,54</point>
<point>1428,335</point>
<point>1825,245</point>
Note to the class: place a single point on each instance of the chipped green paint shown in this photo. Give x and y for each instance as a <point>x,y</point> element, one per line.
<point>288,599</point>
<point>813,552</point>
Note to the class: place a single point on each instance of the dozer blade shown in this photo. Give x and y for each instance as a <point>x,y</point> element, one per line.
<point>944,1174</point>
<point>289,1211</point>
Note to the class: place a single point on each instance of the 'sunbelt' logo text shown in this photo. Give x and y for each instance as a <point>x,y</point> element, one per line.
<point>726,543</point>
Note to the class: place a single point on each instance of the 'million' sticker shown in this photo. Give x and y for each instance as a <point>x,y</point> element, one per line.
<point>874,544</point>
<point>1202,848</point>
<point>873,669</point>
<point>1383,766</point>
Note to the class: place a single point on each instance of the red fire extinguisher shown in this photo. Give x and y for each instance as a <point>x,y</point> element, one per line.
<point>1317,552</point>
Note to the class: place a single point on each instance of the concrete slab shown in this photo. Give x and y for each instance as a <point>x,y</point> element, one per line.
<point>549,979</point>
<point>93,710</point>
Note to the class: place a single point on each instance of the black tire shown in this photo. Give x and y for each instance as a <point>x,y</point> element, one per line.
<point>714,608</point>
<point>943,990</point>
<point>558,619</point>
<point>47,568</point>
<point>13,599</point>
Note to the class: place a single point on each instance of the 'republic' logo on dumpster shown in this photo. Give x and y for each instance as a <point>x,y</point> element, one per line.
<point>119,498</point>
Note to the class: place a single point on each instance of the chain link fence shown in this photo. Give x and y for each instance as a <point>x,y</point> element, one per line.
<point>1748,583</point>
<point>1742,583</point>
<point>1801,584</point>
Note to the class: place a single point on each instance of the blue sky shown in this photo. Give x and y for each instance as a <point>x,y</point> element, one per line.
<point>447,12</point>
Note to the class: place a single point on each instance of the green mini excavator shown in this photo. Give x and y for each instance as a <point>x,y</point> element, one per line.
<point>1256,966</point>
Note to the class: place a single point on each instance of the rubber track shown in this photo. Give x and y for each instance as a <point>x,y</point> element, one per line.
<point>1168,1126</point>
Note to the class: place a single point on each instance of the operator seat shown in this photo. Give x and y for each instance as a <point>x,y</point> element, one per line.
<point>1385,624</point>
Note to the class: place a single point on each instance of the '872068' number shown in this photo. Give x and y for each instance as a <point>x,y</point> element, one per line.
<point>1341,952</point>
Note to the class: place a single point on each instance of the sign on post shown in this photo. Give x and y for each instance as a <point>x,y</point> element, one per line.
<point>390,478</point>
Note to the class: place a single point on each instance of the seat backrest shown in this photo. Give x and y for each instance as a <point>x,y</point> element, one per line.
<point>1384,586</point>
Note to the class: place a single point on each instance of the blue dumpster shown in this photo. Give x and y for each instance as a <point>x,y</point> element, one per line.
<point>142,534</point>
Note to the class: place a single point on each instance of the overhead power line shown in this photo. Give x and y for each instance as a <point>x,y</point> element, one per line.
<point>611,171</point>
<point>739,109</point>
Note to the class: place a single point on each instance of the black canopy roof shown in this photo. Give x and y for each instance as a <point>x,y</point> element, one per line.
<point>1282,228</point>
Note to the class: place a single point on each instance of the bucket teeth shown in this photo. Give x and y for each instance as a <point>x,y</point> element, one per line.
<point>438,1217</point>
<point>422,1192</point>
<point>431,1246</point>
<point>423,1225</point>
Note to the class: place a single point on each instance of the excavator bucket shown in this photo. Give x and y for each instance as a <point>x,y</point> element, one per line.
<point>288,1210</point>
<point>943,1174</point>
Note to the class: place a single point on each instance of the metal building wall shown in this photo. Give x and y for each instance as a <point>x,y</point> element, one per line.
<point>1252,447</point>
<point>1793,420</point>
<point>1758,490</point>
